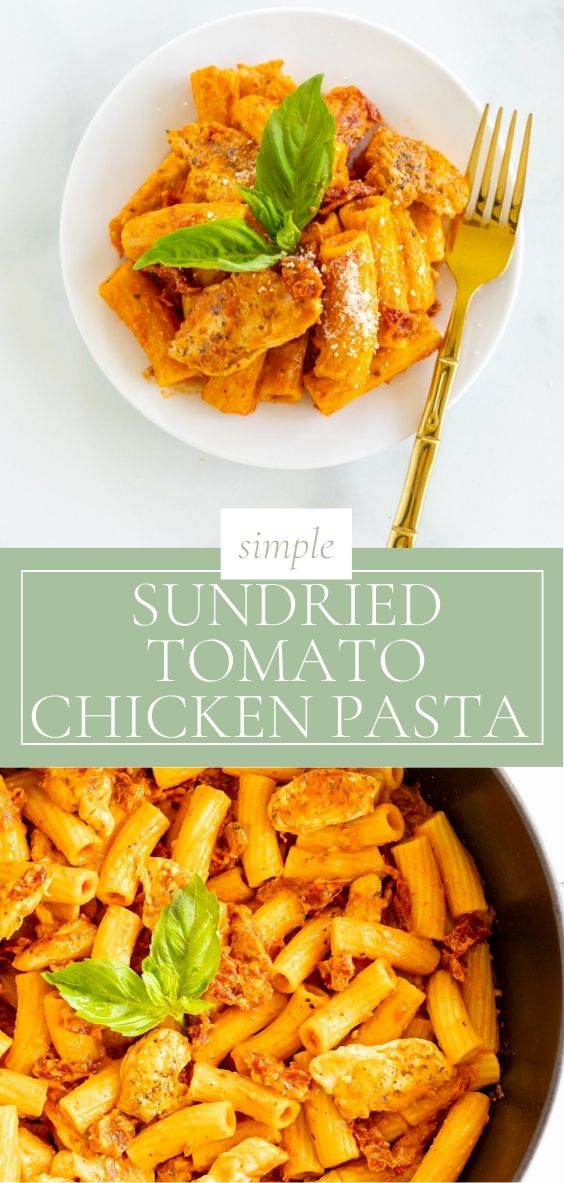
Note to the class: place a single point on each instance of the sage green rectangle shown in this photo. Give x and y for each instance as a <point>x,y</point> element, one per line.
<point>145,657</point>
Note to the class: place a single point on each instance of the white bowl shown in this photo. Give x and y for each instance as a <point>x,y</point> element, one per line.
<point>126,139</point>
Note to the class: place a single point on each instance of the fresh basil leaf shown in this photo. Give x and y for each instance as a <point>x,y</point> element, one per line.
<point>295,160</point>
<point>227,244</point>
<point>263,209</point>
<point>183,959</point>
<point>288,236</point>
<point>185,948</point>
<point>110,993</point>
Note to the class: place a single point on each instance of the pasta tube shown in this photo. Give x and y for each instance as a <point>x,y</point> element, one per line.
<point>279,916</point>
<point>392,1016</point>
<point>168,778</point>
<point>385,824</point>
<point>237,393</point>
<point>134,840</point>
<point>69,1044</point>
<point>27,1094</point>
<point>346,335</point>
<point>478,993</point>
<point>451,1024</point>
<point>374,215</point>
<point>299,1146</point>
<point>261,856</point>
<point>213,1084</point>
<point>116,934</point>
<point>32,991</point>
<point>236,1025</point>
<point>329,1025</point>
<point>332,864</point>
<point>281,375</point>
<point>169,176</point>
<point>332,1138</point>
<point>282,1036</point>
<point>416,262</point>
<point>9,1144</point>
<point>181,1131</point>
<point>230,887</point>
<point>93,1098</point>
<point>357,938</point>
<point>36,1155</point>
<point>78,842</point>
<point>13,841</point>
<point>463,886</point>
<point>455,1140</point>
<point>194,845</point>
<point>298,959</point>
<point>137,301</point>
<point>418,867</point>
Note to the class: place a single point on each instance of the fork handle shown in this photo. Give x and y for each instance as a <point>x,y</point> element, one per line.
<point>426,443</point>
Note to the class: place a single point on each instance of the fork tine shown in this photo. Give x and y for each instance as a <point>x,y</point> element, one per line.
<point>488,169</point>
<point>503,172</point>
<point>477,147</point>
<point>519,189</point>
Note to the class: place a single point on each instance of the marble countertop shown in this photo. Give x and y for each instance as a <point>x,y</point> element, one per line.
<point>80,466</point>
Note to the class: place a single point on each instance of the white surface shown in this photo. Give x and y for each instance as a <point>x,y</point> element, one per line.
<point>79,466</point>
<point>542,793</point>
<point>126,141</point>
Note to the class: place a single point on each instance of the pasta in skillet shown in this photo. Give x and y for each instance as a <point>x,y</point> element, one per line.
<point>342,306</point>
<point>346,1030</point>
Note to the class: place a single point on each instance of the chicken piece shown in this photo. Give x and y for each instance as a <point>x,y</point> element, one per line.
<point>354,114</point>
<point>20,896</point>
<point>71,942</point>
<point>149,1072</point>
<point>111,1134</point>
<point>232,323</point>
<point>161,879</point>
<point>253,1158</point>
<point>220,159</point>
<point>68,1164</point>
<point>322,797</point>
<point>86,791</point>
<point>407,170</point>
<point>388,1076</point>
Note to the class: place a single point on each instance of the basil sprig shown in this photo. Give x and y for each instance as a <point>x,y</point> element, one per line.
<point>182,961</point>
<point>228,244</point>
<point>295,161</point>
<point>293,171</point>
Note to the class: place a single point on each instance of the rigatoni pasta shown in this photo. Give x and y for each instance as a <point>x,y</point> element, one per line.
<point>351,1027</point>
<point>321,295</point>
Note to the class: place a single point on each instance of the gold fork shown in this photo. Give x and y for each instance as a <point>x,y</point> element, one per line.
<point>478,250</point>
